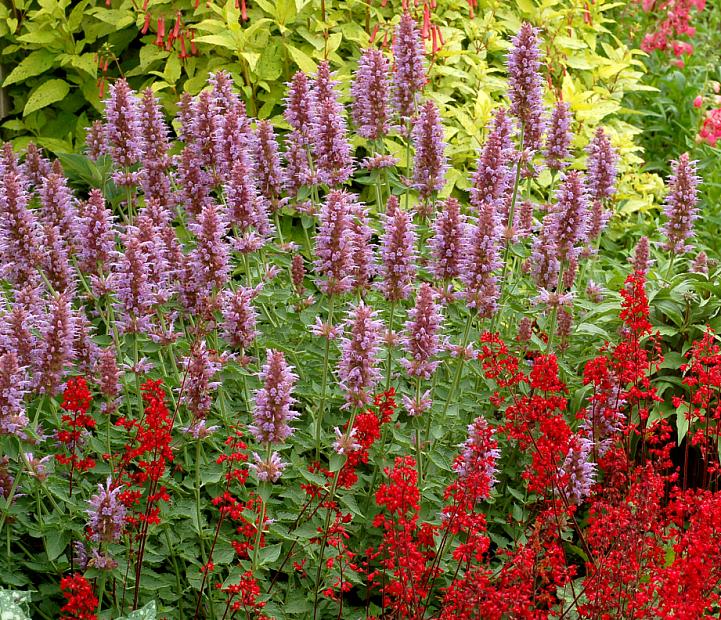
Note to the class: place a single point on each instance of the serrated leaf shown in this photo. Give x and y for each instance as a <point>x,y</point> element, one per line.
<point>47,93</point>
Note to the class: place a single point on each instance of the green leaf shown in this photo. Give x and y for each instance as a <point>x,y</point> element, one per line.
<point>47,93</point>
<point>300,58</point>
<point>149,612</point>
<point>33,64</point>
<point>11,604</point>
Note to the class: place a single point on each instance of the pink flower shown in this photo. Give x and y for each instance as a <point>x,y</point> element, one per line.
<point>698,101</point>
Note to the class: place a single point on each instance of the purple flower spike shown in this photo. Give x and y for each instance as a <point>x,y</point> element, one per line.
<point>123,131</point>
<point>200,369</point>
<point>363,248</point>
<point>579,470</point>
<point>482,258</point>
<point>211,254</point>
<point>641,256</point>
<point>107,514</point>
<point>13,387</point>
<point>558,140</point>
<point>330,142</point>
<point>20,233</point>
<point>108,374</point>
<point>239,318</point>
<point>371,94</point>
<point>241,195</point>
<point>58,209</point>
<point>274,400</point>
<point>430,164</point>
<point>297,168</point>
<point>700,263</point>
<point>155,142</point>
<point>448,241</point>
<point>544,264</point>
<point>602,159</point>
<point>95,226</point>
<point>421,334</point>
<point>95,144</point>
<point>268,470</point>
<point>267,159</point>
<point>525,85</point>
<point>58,336</point>
<point>193,182</point>
<point>398,253</point>
<point>479,454</point>
<point>35,167</point>
<point>56,261</point>
<point>681,208</point>
<point>492,179</point>
<point>569,218</point>
<point>334,244</point>
<point>298,104</point>
<point>358,366</point>
<point>409,73</point>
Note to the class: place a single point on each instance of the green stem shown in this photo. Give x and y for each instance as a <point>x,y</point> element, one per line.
<point>389,365</point>
<point>197,498</point>
<point>321,404</point>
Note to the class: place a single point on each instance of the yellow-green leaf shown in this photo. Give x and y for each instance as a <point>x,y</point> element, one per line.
<point>304,62</point>
<point>33,64</point>
<point>45,94</point>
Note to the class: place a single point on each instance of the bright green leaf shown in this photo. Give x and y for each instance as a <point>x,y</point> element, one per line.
<point>47,93</point>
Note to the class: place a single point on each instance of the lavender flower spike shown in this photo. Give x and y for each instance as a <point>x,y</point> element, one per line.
<point>525,85</point>
<point>269,470</point>
<point>123,130</point>
<point>239,318</point>
<point>358,366</point>
<point>409,74</point>
<point>200,369</point>
<point>58,336</point>
<point>482,258</point>
<point>478,454</point>
<point>267,160</point>
<point>602,159</point>
<point>333,244</point>
<point>447,241</point>
<point>371,90</point>
<point>580,471</point>
<point>363,247</point>
<point>569,218</point>
<point>681,208</point>
<point>492,179</point>
<point>329,135</point>
<point>558,140</point>
<point>430,164</point>
<point>95,226</point>
<point>398,253</point>
<point>107,514</point>
<point>298,103</point>
<point>641,255</point>
<point>13,387</point>
<point>421,334</point>
<point>274,400</point>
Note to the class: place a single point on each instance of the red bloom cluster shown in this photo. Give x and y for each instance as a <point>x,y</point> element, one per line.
<point>81,601</point>
<point>673,20</point>
<point>76,401</point>
<point>710,131</point>
<point>243,596</point>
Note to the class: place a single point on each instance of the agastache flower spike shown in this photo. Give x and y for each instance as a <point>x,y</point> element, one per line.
<point>273,402</point>
<point>95,144</point>
<point>358,366</point>
<point>241,194</point>
<point>448,241</point>
<point>409,74</point>
<point>525,85</point>
<point>421,334</point>
<point>58,336</point>
<point>211,254</point>
<point>371,94</point>
<point>131,280</point>
<point>580,471</point>
<point>200,370</point>
<point>57,208</point>
<point>13,387</point>
<point>35,167</point>
<point>154,132</point>
<point>544,264</point>
<point>56,260</point>
<point>267,160</point>
<point>330,142</point>
<point>20,233</point>
<point>298,103</point>
<point>476,462</point>
<point>268,470</point>
<point>334,244</point>
<point>297,168</point>
<point>95,228</point>
<point>481,259</point>
<point>398,253</point>
<point>430,164</point>
<point>492,179</point>
<point>569,218</point>
<point>363,248</point>
<point>193,182</point>
<point>640,259</point>
<point>681,208</point>
<point>108,376</point>
<point>558,140</point>
<point>602,159</point>
<point>107,514</point>
<point>123,132</point>
<point>239,318</point>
